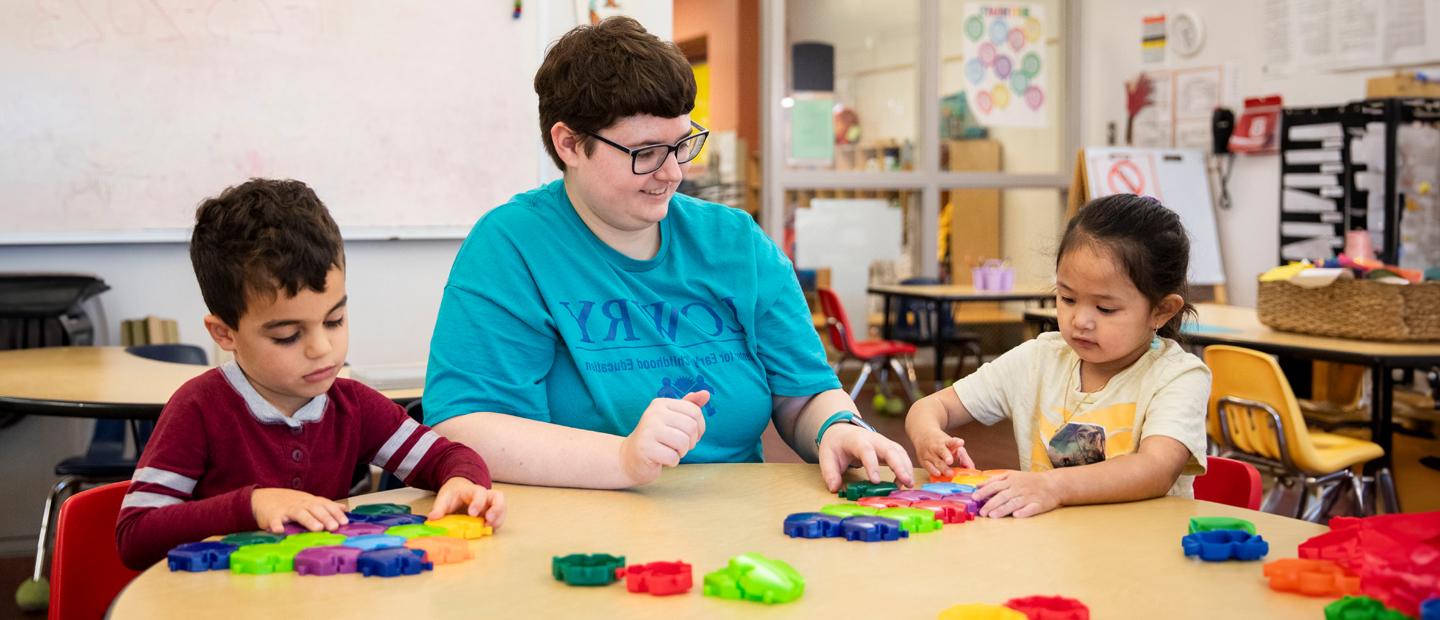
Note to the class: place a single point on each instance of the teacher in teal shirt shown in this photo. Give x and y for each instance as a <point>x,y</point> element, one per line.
<point>600,328</point>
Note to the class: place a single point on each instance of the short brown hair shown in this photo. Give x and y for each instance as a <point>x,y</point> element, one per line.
<point>259,237</point>
<point>596,75</point>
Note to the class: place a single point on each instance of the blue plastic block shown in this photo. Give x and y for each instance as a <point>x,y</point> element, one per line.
<point>947,488</point>
<point>872,529</point>
<point>1430,609</point>
<point>389,521</point>
<point>198,557</point>
<point>392,562</point>
<point>1222,545</point>
<point>812,525</point>
<point>371,542</point>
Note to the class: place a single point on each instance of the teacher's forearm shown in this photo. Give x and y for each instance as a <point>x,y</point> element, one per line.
<point>523,451</point>
<point>798,426</point>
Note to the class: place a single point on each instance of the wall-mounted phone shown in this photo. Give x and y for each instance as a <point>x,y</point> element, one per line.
<point>1222,126</point>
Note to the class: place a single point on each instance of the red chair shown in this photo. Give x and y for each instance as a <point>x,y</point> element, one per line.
<point>876,354</point>
<point>1228,481</point>
<point>87,574</point>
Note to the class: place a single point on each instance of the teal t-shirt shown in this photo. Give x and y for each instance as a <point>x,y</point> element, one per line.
<point>542,320</point>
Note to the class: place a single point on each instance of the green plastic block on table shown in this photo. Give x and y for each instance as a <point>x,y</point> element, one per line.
<point>1210,524</point>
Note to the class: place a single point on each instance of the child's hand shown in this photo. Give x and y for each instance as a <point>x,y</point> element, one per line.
<point>844,444</point>
<point>667,430</point>
<point>938,452</point>
<point>1018,494</point>
<point>462,495</point>
<point>273,507</point>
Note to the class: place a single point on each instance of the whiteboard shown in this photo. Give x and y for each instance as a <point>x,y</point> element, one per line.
<point>847,236</point>
<point>119,116</point>
<point>1177,178</point>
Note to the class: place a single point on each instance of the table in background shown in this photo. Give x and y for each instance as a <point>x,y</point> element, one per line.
<point>1122,560</point>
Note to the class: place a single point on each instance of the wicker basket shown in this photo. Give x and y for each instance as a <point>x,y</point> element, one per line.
<point>1357,309</point>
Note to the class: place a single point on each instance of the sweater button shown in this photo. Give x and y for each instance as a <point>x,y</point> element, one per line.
<point>295,482</point>
<point>296,454</point>
<point>297,430</point>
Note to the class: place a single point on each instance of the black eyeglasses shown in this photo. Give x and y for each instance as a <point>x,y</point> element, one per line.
<point>647,159</point>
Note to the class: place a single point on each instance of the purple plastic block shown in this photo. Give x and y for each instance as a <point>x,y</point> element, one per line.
<point>393,562</point>
<point>390,521</point>
<point>915,495</point>
<point>812,525</point>
<point>327,560</point>
<point>292,527</point>
<point>972,505</point>
<point>198,557</point>
<point>355,528</point>
<point>872,529</point>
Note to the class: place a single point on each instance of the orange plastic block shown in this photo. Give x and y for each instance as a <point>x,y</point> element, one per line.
<point>970,479</point>
<point>1311,577</point>
<point>441,549</point>
<point>948,474</point>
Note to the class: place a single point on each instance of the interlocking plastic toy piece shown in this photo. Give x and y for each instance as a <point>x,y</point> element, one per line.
<point>947,488</point>
<point>949,473</point>
<point>981,611</point>
<point>579,569</point>
<point>389,521</point>
<point>914,520</point>
<point>849,510</point>
<point>971,504</point>
<point>916,495</point>
<point>857,490</point>
<point>243,539</point>
<point>1049,608</point>
<point>292,528</point>
<point>356,517</point>
<point>263,559</point>
<point>416,530</point>
<point>198,557</point>
<point>313,539</point>
<point>1430,609</point>
<point>1222,545</point>
<point>374,541</point>
<point>1210,524</point>
<point>974,481</point>
<point>753,577</point>
<point>884,502</point>
<point>381,509</point>
<point>360,528</point>
<point>392,562</point>
<point>463,526</point>
<point>1310,577</point>
<point>872,529</point>
<point>657,578</point>
<point>1361,608</point>
<point>441,549</point>
<point>324,561</point>
<point>947,512</point>
<point>812,525</point>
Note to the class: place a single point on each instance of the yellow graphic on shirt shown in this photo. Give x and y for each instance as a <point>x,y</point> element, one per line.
<point>1081,439</point>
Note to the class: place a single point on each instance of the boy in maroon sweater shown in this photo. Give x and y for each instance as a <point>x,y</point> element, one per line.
<point>273,436</point>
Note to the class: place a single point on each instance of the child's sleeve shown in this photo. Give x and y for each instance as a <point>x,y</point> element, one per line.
<point>418,456</point>
<point>1178,410</point>
<point>159,512</point>
<point>788,346</point>
<point>988,392</point>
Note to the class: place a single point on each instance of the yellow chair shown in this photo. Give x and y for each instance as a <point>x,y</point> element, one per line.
<point>1254,417</point>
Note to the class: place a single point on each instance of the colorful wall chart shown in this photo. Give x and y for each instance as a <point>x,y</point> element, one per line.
<point>1005,64</point>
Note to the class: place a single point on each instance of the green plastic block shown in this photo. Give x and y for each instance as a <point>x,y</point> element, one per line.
<point>850,510</point>
<point>754,577</point>
<point>306,540</point>
<point>857,490</point>
<point>264,559</point>
<point>416,530</point>
<point>1210,524</point>
<point>913,520</point>
<point>596,569</point>
<point>1361,608</point>
<point>381,509</point>
<point>244,539</point>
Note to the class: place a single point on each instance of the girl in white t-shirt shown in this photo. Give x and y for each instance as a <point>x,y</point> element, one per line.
<point>1111,408</point>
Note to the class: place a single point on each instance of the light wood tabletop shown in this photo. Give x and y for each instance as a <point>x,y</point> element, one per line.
<point>98,382</point>
<point>1122,560</point>
<point>956,292</point>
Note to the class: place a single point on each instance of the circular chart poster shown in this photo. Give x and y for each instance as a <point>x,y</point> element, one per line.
<point>1005,65</point>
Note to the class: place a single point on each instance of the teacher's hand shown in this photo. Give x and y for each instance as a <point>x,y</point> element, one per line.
<point>667,430</point>
<point>845,444</point>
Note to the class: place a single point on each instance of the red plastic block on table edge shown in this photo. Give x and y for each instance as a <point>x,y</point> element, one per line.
<point>1049,608</point>
<point>657,578</point>
<point>1311,577</point>
<point>884,502</point>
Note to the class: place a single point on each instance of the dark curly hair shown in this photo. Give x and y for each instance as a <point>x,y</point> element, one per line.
<point>596,75</point>
<point>1149,241</point>
<point>261,237</point>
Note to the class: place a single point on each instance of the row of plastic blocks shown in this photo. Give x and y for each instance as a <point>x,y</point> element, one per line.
<point>753,577</point>
<point>279,558</point>
<point>866,528</point>
<point>1025,608</point>
<point>957,508</point>
<point>1222,545</point>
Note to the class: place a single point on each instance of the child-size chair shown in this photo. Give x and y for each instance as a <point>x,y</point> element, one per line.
<point>87,572</point>
<point>1229,482</point>
<point>909,318</point>
<point>876,354</point>
<point>1254,417</point>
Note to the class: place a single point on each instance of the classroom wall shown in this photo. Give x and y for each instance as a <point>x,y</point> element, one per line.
<point>1110,40</point>
<point>731,31</point>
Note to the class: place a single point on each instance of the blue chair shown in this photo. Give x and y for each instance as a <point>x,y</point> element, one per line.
<point>104,460</point>
<point>909,321</point>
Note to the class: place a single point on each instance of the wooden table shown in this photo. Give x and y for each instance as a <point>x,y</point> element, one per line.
<point>98,382</point>
<point>1122,560</point>
<point>944,297</point>
<point>1239,326</point>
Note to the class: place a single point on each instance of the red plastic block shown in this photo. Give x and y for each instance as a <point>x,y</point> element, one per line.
<point>883,502</point>
<point>1049,608</point>
<point>1311,577</point>
<point>657,578</point>
<point>945,510</point>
